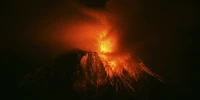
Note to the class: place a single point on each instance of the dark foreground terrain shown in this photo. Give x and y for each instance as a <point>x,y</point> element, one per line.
<point>54,81</point>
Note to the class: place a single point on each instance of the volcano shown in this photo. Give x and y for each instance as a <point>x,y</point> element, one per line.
<point>100,62</point>
<point>66,77</point>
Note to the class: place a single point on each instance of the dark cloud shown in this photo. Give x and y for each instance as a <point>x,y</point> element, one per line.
<point>94,4</point>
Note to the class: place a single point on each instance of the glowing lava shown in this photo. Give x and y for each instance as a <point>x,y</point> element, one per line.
<point>105,63</point>
<point>107,67</point>
<point>105,45</point>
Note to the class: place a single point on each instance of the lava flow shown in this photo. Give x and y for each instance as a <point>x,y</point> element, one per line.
<point>104,66</point>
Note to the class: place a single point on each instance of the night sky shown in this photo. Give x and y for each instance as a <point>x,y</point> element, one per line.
<point>163,33</point>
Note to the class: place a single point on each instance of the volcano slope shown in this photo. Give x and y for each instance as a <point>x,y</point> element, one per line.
<point>56,81</point>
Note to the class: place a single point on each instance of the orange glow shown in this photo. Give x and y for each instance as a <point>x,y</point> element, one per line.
<point>103,66</point>
<point>105,44</point>
<point>104,63</point>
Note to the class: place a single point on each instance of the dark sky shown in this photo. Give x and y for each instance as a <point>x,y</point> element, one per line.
<point>161,32</point>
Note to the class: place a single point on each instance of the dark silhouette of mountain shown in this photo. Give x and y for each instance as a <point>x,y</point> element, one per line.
<point>55,80</point>
<point>52,81</point>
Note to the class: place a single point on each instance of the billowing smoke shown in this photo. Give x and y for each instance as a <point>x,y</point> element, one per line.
<point>100,31</point>
<point>90,17</point>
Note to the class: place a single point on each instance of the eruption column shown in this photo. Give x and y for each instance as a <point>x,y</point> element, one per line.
<point>104,66</point>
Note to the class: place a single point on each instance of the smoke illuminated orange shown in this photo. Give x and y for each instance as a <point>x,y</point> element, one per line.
<point>104,63</point>
<point>104,66</point>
